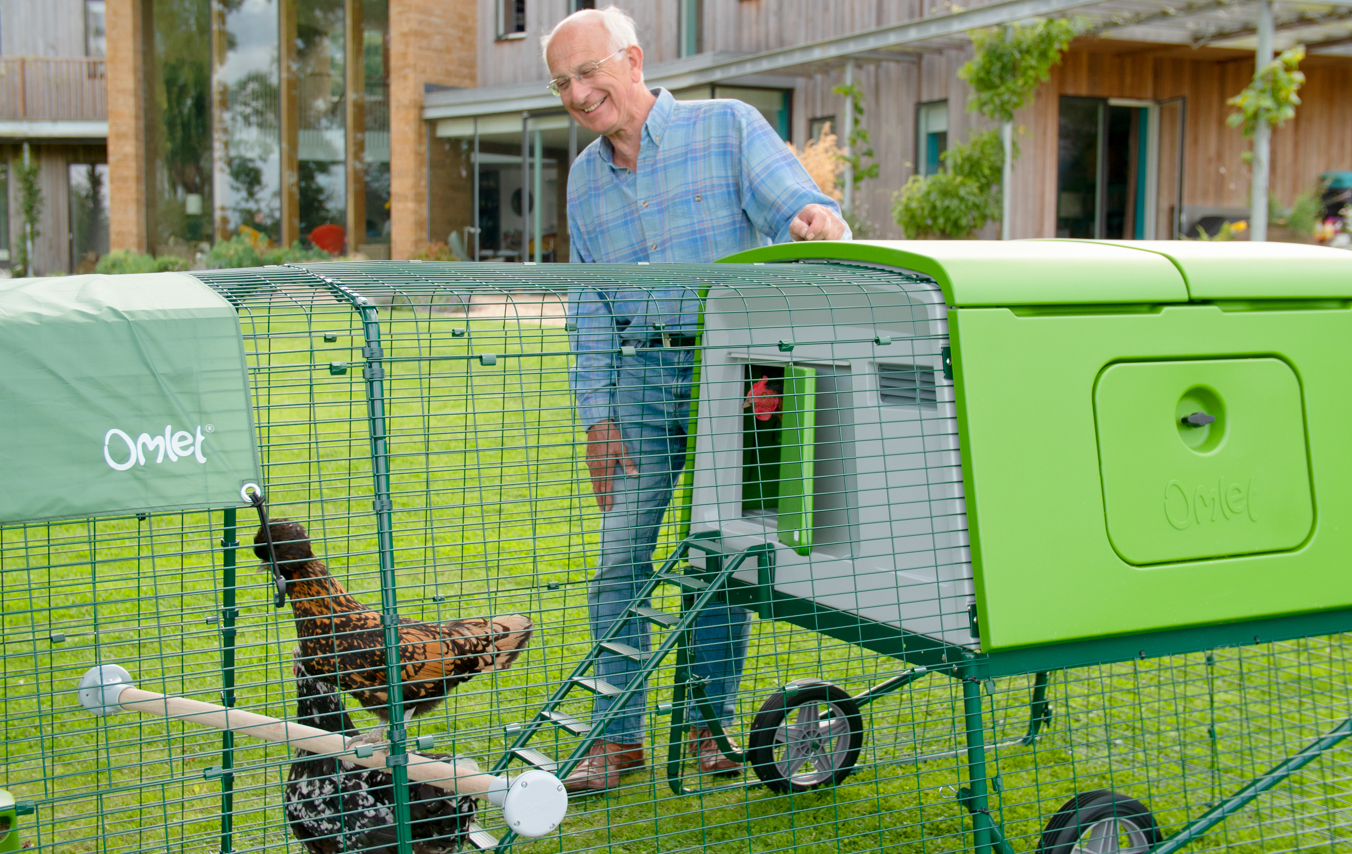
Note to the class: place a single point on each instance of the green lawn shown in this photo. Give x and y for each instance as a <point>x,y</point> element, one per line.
<point>490,516</point>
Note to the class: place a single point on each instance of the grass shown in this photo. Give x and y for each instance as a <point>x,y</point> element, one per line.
<point>491,515</point>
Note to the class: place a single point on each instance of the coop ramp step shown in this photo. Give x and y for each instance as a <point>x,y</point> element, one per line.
<point>568,723</point>
<point>625,650</point>
<point>481,839</point>
<point>531,756</point>
<point>661,618</point>
<point>596,686</point>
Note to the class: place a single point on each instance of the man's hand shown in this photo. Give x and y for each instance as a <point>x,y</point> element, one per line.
<point>816,222</point>
<point>605,448</point>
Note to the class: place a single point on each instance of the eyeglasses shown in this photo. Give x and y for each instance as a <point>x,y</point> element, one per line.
<point>559,85</point>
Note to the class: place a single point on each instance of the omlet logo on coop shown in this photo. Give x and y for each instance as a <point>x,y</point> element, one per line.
<point>122,452</point>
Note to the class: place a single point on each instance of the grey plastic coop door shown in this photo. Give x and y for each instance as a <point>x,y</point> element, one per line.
<point>861,489</point>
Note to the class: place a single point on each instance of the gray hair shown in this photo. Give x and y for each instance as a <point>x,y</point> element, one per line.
<point>617,22</point>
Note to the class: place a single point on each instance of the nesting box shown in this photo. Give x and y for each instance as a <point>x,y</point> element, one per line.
<point>1004,445</point>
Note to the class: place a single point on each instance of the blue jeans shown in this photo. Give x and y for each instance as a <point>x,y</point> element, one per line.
<point>652,408</point>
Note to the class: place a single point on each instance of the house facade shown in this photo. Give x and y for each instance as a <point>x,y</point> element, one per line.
<point>53,104</point>
<point>395,125</point>
<point>1126,140</point>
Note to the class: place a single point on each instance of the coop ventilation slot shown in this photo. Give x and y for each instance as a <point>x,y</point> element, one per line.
<point>907,385</point>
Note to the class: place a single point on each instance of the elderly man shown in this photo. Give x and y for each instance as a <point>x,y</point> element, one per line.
<point>666,181</point>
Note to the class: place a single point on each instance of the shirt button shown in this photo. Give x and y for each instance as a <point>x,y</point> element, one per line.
<point>645,204</point>
<point>699,198</point>
<point>654,245</point>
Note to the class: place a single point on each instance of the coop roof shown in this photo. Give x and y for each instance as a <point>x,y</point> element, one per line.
<point>1050,272</point>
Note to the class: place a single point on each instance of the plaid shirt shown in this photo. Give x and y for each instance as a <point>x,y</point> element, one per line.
<point>713,179</point>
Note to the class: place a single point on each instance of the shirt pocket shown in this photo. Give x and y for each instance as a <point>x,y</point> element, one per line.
<point>703,205</point>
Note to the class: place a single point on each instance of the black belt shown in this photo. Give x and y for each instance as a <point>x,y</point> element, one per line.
<point>666,341</point>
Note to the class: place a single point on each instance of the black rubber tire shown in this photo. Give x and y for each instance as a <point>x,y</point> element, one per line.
<point>780,737</point>
<point>1090,815</point>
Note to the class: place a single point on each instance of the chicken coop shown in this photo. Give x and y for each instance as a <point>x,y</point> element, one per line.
<point>1038,542</point>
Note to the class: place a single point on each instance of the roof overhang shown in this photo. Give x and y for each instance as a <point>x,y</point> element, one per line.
<point>1324,26</point>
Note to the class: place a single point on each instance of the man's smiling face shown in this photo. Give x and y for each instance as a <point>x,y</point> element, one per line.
<point>609,101</point>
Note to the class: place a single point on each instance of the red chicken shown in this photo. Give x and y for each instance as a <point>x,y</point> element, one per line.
<point>341,639</point>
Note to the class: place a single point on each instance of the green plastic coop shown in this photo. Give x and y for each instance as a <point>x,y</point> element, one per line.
<point>1125,438</point>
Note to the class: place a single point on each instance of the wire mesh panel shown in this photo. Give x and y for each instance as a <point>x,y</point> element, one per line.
<point>806,600</point>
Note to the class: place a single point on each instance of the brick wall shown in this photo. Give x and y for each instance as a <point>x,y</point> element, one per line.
<point>126,130</point>
<point>431,41</point>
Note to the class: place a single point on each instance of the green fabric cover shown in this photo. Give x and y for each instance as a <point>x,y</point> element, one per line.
<point>121,394</point>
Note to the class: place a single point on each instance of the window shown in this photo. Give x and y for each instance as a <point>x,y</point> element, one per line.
<point>816,127</point>
<point>89,215</point>
<point>96,42</point>
<point>931,127</point>
<point>511,19</point>
<point>579,5</point>
<point>691,27</point>
<point>772,103</point>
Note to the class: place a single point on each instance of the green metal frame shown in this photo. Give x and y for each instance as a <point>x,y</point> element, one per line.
<point>229,613</point>
<point>715,583</point>
<point>971,667</point>
<point>374,376</point>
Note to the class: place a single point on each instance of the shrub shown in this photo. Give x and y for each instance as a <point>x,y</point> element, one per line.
<point>235,252</point>
<point>121,261</point>
<point>435,251</point>
<point>239,251</point>
<point>294,254</point>
<point>960,199</point>
<point>823,162</point>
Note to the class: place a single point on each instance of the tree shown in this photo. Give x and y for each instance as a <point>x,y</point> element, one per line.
<point>1272,97</point>
<point>1266,103</point>
<point>857,140</point>
<point>30,211</point>
<point>1010,63</point>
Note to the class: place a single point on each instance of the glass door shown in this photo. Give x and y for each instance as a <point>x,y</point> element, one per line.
<point>1079,167</point>
<point>1119,165</point>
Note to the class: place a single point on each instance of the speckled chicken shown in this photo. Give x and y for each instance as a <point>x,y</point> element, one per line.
<point>341,639</point>
<point>335,806</point>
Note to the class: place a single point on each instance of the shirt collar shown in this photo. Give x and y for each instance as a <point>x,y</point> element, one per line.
<point>654,127</point>
<point>660,115</point>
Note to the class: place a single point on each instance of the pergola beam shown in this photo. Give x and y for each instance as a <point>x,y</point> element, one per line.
<point>1295,23</point>
<point>1167,14</point>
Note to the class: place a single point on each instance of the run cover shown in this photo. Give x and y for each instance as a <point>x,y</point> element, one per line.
<point>121,394</point>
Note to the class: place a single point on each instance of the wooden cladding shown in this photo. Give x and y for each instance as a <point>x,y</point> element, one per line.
<point>50,89</point>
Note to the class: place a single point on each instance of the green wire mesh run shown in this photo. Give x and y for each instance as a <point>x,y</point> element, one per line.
<point>473,500</point>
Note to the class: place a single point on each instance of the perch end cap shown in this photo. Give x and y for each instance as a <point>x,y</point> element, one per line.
<point>534,804</point>
<point>101,687</point>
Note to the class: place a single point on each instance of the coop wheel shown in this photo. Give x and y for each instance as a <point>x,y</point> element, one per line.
<point>1100,822</point>
<point>806,735</point>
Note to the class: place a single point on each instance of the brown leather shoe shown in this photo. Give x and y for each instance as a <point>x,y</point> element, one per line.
<point>711,759</point>
<point>602,768</point>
